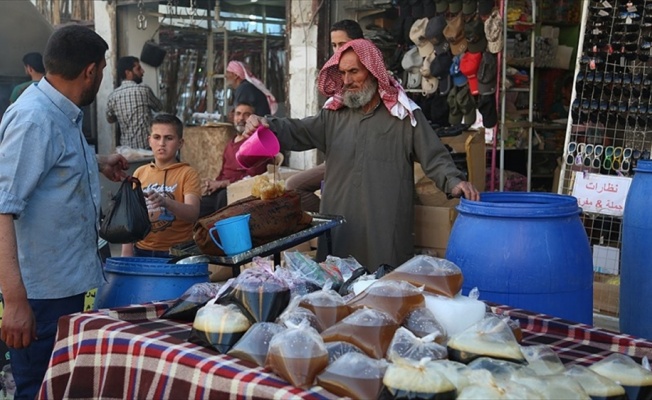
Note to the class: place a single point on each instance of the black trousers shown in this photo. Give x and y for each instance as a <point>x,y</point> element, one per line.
<point>213,202</point>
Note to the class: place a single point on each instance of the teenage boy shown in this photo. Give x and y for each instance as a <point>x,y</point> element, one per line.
<point>171,189</point>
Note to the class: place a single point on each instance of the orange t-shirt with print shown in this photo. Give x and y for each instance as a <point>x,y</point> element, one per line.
<point>173,182</point>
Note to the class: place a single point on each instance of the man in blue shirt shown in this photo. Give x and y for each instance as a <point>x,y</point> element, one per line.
<point>49,202</point>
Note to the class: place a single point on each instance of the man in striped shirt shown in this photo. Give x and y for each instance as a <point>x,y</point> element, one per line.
<point>131,104</point>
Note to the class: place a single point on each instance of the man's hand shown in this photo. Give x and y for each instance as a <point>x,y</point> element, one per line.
<point>211,185</point>
<point>467,189</point>
<point>252,124</point>
<point>18,324</point>
<point>113,166</point>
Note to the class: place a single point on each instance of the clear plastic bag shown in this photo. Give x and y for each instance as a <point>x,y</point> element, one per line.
<point>594,384</point>
<point>345,266</point>
<point>297,355</point>
<point>310,270</point>
<point>327,305</point>
<point>294,315</point>
<point>421,322</point>
<point>636,380</point>
<point>218,326</point>
<point>260,294</point>
<point>396,298</point>
<point>408,379</point>
<point>542,359</point>
<point>338,349</point>
<point>406,345</point>
<point>371,330</point>
<point>491,337</point>
<point>186,306</point>
<point>354,375</point>
<point>253,346</point>
<point>437,275</point>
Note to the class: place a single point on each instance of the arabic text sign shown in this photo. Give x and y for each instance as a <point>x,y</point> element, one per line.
<point>602,194</point>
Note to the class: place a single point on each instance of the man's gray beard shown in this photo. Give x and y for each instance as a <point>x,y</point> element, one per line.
<point>362,97</point>
<point>240,128</point>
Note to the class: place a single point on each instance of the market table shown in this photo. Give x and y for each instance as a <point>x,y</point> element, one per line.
<point>129,352</point>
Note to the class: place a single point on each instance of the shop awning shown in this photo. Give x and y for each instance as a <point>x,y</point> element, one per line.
<point>22,30</point>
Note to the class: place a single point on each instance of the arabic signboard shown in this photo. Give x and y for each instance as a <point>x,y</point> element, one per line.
<point>602,194</point>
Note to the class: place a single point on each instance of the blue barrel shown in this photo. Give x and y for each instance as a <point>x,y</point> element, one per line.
<point>636,261</point>
<point>137,280</point>
<point>526,250</point>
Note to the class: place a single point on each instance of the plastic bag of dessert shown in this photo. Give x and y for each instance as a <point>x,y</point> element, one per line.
<point>297,283</point>
<point>396,298</point>
<point>594,384</point>
<point>636,380</point>
<point>491,337</point>
<point>422,323</point>
<point>186,306</point>
<point>501,370</point>
<point>459,374</point>
<point>327,305</point>
<point>408,379</point>
<point>542,359</point>
<point>260,294</point>
<point>437,275</point>
<point>457,313</point>
<point>294,314</point>
<point>371,330</point>
<point>253,346</point>
<point>311,270</point>
<point>489,388</point>
<point>354,375</point>
<point>406,345</point>
<point>554,387</point>
<point>346,266</point>
<point>338,349</point>
<point>514,326</point>
<point>297,355</point>
<point>218,326</point>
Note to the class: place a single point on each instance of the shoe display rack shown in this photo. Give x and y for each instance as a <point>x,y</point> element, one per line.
<point>611,108</point>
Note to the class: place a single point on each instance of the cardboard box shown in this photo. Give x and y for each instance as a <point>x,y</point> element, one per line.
<point>432,227</point>
<point>606,293</point>
<point>242,188</point>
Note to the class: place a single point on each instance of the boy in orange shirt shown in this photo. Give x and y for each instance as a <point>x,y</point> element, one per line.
<point>172,191</point>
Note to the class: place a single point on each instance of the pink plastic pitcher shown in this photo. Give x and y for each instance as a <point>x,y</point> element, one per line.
<point>262,145</point>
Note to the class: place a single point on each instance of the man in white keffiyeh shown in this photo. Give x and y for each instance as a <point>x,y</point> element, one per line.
<point>371,135</point>
<point>249,89</point>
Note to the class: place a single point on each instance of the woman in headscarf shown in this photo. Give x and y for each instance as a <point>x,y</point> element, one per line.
<point>249,89</point>
<point>371,135</point>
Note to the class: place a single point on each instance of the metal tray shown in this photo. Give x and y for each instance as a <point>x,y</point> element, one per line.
<point>321,223</point>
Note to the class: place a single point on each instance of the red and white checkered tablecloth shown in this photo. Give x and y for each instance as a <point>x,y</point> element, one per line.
<point>130,353</point>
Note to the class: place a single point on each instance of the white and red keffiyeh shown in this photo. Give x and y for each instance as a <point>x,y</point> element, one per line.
<point>243,72</point>
<point>391,93</point>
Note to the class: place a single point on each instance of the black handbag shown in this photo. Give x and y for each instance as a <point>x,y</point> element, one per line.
<point>127,220</point>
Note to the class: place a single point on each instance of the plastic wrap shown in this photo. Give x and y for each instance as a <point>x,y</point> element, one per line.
<point>421,322</point>
<point>406,345</point>
<point>327,305</point>
<point>218,326</point>
<point>186,306</point>
<point>490,337</point>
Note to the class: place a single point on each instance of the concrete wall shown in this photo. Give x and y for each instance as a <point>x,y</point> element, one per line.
<point>302,70</point>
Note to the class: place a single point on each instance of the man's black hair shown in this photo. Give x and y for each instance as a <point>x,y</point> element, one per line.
<point>244,103</point>
<point>169,119</point>
<point>34,60</point>
<point>352,28</point>
<point>72,48</point>
<point>126,64</point>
